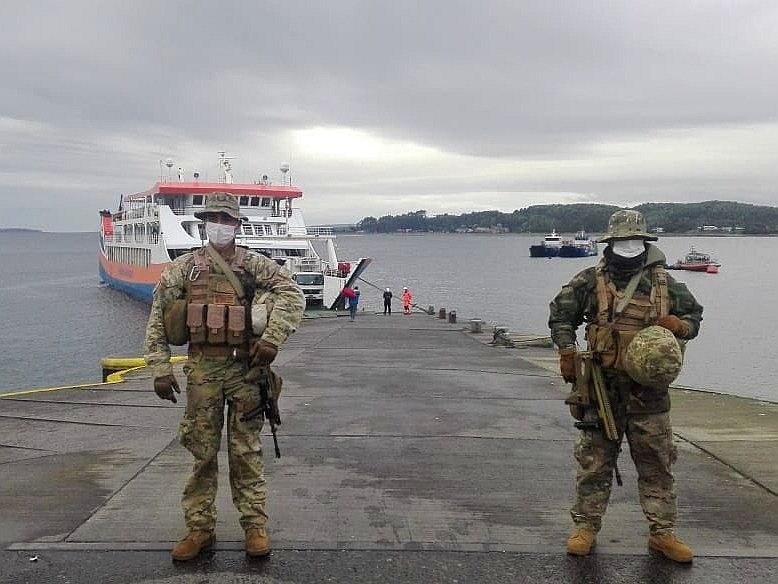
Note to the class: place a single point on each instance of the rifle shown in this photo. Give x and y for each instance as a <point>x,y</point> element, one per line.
<point>268,406</point>
<point>590,387</point>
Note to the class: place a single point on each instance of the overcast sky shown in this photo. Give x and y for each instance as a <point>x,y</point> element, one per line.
<point>385,107</point>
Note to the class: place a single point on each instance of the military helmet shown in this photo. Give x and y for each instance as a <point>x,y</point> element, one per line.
<point>220,203</point>
<point>653,357</point>
<point>627,224</point>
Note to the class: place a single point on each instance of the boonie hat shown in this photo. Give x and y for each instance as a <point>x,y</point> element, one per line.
<point>220,203</point>
<point>627,224</point>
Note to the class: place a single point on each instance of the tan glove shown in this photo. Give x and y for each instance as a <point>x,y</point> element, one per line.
<point>567,364</point>
<point>164,386</point>
<point>675,325</point>
<point>262,353</point>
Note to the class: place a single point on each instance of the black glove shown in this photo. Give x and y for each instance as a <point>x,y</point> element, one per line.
<point>164,386</point>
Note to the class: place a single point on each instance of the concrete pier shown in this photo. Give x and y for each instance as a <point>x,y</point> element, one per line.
<point>413,451</point>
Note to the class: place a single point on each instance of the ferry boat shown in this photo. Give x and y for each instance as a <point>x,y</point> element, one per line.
<point>697,261</point>
<point>152,228</point>
<point>548,248</point>
<point>579,247</point>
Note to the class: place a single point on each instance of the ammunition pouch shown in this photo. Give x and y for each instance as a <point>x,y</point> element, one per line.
<point>609,345</point>
<point>175,321</point>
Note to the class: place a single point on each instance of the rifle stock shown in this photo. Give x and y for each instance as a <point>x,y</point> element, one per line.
<point>268,407</point>
<point>590,386</point>
<point>592,391</point>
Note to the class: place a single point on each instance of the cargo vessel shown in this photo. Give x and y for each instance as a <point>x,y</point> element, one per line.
<point>152,228</point>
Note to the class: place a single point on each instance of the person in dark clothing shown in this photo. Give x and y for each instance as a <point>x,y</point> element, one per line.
<point>388,301</point>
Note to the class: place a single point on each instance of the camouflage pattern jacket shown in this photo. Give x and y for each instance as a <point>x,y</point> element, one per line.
<point>577,301</point>
<point>260,274</point>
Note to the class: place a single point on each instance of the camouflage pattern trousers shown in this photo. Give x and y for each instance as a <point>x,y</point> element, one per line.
<point>212,382</point>
<point>650,438</point>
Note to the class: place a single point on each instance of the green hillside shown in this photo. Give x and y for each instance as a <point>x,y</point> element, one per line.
<point>672,217</point>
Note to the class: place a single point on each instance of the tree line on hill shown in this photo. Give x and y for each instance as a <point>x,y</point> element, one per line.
<point>671,217</point>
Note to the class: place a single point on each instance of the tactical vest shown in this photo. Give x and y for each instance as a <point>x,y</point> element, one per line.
<point>609,334</point>
<point>215,315</point>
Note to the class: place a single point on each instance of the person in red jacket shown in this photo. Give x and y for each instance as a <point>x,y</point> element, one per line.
<point>407,299</point>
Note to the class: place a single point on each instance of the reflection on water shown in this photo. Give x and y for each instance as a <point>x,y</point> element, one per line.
<point>58,321</point>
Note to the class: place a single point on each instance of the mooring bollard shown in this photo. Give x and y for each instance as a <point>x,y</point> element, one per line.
<point>475,325</point>
<point>430,309</point>
<point>452,317</point>
<point>442,314</point>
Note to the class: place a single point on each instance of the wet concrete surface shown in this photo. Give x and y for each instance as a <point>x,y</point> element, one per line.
<point>375,567</point>
<point>412,451</point>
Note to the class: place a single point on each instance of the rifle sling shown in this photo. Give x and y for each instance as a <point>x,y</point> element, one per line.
<point>629,292</point>
<point>227,271</point>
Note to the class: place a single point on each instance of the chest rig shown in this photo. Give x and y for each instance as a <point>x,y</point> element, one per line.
<point>216,311</point>
<point>622,313</point>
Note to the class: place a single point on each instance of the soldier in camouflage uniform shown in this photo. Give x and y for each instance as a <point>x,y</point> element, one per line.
<point>597,296</point>
<point>224,347</point>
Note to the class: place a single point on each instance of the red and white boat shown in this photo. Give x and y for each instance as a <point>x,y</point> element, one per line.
<point>697,261</point>
<point>152,228</point>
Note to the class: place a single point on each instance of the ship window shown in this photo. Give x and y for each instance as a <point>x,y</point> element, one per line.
<point>247,230</point>
<point>257,230</point>
<point>244,201</point>
<point>282,230</point>
<point>268,230</point>
<point>265,201</point>
<point>254,201</point>
<point>197,199</point>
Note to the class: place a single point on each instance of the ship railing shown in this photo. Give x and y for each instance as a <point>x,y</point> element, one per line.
<point>151,238</point>
<point>316,231</point>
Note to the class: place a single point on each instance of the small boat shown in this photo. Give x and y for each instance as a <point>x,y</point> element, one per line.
<point>580,247</point>
<point>548,248</point>
<point>697,261</point>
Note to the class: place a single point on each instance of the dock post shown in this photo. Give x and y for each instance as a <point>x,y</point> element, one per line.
<point>475,325</point>
<point>452,317</point>
<point>442,314</point>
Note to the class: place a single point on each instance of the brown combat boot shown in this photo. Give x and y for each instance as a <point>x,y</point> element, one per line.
<point>257,542</point>
<point>581,541</point>
<point>193,544</point>
<point>670,546</point>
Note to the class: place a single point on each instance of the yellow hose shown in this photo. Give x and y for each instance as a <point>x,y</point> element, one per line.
<point>123,365</point>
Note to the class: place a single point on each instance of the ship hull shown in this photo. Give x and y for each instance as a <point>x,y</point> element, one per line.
<point>542,251</point>
<point>695,267</point>
<point>133,280</point>
<point>576,251</point>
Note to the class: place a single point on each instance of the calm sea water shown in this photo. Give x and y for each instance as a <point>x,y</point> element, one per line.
<point>58,320</point>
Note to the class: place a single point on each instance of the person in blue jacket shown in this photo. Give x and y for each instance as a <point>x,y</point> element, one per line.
<point>353,302</point>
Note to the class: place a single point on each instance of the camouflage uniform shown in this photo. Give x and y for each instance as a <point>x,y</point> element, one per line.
<point>212,381</point>
<point>640,412</point>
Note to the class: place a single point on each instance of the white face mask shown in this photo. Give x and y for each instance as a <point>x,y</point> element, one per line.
<point>628,248</point>
<point>219,234</point>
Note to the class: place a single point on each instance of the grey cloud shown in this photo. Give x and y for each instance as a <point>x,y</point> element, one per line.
<point>118,86</point>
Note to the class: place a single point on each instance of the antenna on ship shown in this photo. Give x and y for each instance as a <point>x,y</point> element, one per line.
<point>284,168</point>
<point>226,166</point>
